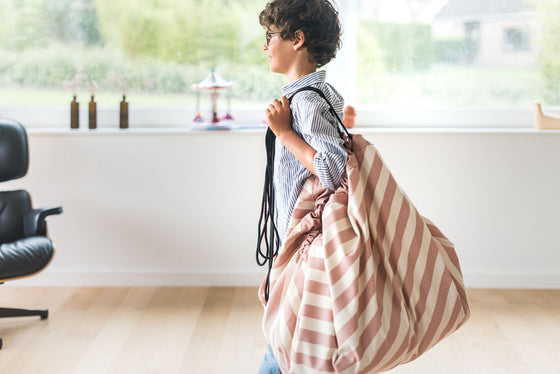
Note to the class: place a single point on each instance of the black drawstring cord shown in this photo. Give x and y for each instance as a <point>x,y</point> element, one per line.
<point>267,226</point>
<point>267,230</point>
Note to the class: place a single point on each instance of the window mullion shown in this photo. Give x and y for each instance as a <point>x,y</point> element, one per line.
<point>342,70</point>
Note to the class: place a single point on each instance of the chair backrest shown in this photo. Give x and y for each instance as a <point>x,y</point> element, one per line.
<point>13,206</point>
<point>14,151</point>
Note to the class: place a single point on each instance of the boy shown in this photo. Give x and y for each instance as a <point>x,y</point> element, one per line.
<point>301,36</point>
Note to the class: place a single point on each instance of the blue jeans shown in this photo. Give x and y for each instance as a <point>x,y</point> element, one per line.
<point>269,364</point>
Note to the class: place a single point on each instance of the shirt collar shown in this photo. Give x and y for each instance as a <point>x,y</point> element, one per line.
<point>309,79</point>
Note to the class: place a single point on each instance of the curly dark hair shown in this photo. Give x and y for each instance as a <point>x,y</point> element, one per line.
<point>317,19</point>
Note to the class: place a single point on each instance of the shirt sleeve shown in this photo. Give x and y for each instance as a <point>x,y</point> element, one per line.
<point>318,128</point>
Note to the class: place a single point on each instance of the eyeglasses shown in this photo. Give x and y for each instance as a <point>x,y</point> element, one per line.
<point>269,36</point>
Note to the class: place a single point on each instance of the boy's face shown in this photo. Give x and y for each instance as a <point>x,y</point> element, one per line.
<point>279,52</point>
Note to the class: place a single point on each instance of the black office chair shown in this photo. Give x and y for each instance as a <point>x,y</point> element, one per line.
<point>25,248</point>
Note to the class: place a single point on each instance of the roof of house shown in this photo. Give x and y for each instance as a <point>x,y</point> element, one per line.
<point>470,8</point>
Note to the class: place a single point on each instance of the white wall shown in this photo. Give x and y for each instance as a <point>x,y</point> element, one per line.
<point>178,207</point>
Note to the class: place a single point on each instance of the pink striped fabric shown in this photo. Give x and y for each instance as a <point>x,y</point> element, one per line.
<point>363,282</point>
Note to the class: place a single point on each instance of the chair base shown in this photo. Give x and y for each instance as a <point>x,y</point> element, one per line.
<point>11,312</point>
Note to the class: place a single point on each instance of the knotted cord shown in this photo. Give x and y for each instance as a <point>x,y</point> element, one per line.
<point>267,230</point>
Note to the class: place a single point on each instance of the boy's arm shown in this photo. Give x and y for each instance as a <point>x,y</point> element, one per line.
<point>279,119</point>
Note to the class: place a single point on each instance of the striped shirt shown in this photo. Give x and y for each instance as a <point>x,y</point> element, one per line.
<point>313,122</point>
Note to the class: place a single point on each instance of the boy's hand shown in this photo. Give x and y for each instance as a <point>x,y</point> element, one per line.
<point>279,116</point>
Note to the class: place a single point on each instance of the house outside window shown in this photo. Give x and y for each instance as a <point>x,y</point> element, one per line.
<point>449,54</point>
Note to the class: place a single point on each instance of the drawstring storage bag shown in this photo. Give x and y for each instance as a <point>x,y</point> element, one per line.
<point>363,282</point>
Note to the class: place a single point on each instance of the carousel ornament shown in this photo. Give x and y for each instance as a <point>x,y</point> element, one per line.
<point>213,84</point>
<point>198,118</point>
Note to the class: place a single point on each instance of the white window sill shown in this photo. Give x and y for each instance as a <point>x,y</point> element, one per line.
<point>260,131</point>
<point>181,118</point>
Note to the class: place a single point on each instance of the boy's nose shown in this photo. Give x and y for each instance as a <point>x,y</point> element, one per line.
<point>265,47</point>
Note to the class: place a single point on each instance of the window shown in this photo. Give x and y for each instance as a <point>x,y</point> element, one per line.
<point>154,51</point>
<point>448,54</point>
<point>402,62</point>
<point>516,39</point>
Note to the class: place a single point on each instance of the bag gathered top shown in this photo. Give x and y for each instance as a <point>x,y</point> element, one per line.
<point>363,282</point>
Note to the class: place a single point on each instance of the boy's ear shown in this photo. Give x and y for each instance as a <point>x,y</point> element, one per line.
<point>299,40</point>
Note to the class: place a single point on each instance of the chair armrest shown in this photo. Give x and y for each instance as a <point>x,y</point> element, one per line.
<point>34,221</point>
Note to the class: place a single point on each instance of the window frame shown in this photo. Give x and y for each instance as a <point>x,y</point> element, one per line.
<point>342,74</point>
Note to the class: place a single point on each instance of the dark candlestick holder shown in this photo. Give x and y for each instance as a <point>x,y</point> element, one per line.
<point>123,124</point>
<point>74,114</point>
<point>92,113</point>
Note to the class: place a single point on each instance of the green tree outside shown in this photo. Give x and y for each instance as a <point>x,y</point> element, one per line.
<point>550,55</point>
<point>164,46</point>
<point>160,45</point>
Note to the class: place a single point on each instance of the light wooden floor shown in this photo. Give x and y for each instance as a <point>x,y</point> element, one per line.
<point>217,330</point>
